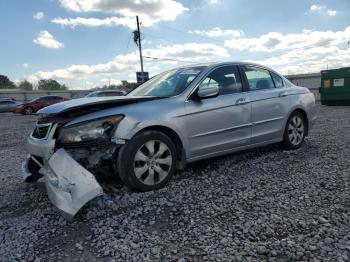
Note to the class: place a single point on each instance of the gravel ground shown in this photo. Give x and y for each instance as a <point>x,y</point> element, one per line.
<point>264,204</point>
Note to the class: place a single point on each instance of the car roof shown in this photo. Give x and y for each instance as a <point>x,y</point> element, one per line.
<point>216,64</point>
<point>212,64</point>
<point>106,91</point>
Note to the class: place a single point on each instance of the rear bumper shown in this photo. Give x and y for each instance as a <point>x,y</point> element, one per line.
<point>69,185</point>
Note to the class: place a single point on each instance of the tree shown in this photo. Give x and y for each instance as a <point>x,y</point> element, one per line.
<point>50,84</point>
<point>127,86</point>
<point>25,85</point>
<point>6,83</point>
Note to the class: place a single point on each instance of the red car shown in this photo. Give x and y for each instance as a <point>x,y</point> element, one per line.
<point>37,104</point>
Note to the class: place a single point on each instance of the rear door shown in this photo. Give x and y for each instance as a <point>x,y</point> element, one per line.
<point>221,123</point>
<point>270,103</point>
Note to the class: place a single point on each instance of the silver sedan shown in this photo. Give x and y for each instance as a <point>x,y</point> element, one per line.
<point>7,105</point>
<point>179,116</point>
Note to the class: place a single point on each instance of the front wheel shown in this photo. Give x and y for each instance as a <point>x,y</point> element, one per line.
<point>295,131</point>
<point>148,161</point>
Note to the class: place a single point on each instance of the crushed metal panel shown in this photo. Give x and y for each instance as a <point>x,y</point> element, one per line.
<point>69,185</point>
<point>25,172</point>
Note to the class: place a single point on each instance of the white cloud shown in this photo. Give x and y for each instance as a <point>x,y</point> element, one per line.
<point>218,32</point>
<point>317,8</point>
<point>126,65</point>
<point>332,12</point>
<point>95,22</point>
<point>308,60</point>
<point>39,16</point>
<point>322,9</point>
<point>149,11</point>
<point>190,51</point>
<point>47,40</point>
<point>213,2</point>
<point>25,65</point>
<point>112,81</point>
<point>275,41</point>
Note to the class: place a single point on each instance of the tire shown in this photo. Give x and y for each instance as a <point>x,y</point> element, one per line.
<point>143,170</point>
<point>295,131</point>
<point>28,111</point>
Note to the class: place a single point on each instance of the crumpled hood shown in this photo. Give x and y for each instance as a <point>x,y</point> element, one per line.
<point>91,104</point>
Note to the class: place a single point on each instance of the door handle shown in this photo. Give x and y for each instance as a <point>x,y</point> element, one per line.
<point>282,94</point>
<point>241,101</point>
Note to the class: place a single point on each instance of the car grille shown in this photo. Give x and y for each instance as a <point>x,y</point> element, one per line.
<point>41,131</point>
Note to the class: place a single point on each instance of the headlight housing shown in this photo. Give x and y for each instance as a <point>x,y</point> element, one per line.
<point>96,130</point>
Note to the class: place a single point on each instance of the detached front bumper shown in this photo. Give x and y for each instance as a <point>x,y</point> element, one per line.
<point>69,185</point>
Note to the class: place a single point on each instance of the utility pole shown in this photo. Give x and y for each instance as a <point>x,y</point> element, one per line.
<point>137,39</point>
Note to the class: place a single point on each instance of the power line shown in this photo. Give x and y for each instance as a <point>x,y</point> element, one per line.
<point>168,59</point>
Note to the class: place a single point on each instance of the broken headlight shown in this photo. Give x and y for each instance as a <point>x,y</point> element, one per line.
<point>99,129</point>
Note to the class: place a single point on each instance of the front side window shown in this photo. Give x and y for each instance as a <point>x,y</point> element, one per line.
<point>277,80</point>
<point>170,83</point>
<point>226,78</point>
<point>258,78</point>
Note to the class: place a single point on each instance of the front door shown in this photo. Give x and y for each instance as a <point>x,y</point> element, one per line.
<point>221,123</point>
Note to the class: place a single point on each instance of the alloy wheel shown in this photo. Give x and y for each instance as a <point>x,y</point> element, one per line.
<point>28,111</point>
<point>296,130</point>
<point>152,162</point>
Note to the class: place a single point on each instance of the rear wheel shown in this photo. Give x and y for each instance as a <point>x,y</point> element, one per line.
<point>28,111</point>
<point>295,131</point>
<point>148,161</point>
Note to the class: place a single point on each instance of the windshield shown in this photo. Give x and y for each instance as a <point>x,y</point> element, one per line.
<point>92,94</point>
<point>34,100</point>
<point>170,83</point>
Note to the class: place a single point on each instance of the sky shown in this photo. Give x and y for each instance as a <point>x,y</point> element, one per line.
<point>88,43</point>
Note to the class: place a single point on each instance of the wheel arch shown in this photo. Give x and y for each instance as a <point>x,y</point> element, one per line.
<point>174,136</point>
<point>304,114</point>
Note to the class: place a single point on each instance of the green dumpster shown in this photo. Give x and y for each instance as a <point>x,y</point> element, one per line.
<point>335,86</point>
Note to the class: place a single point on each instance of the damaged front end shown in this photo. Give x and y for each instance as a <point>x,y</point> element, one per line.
<point>67,155</point>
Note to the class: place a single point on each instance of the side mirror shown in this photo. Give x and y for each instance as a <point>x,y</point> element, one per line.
<point>209,91</point>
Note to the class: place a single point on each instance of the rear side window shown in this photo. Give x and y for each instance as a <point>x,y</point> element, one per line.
<point>277,80</point>
<point>258,78</point>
